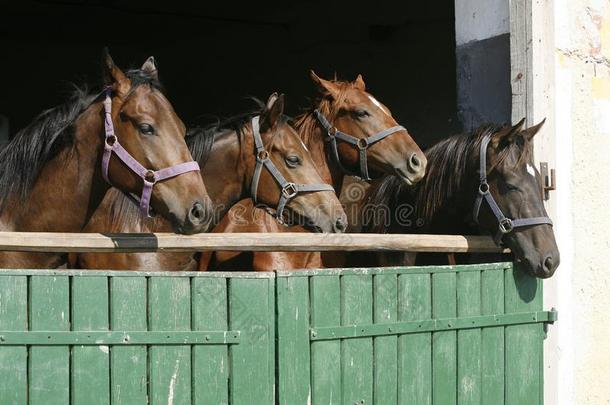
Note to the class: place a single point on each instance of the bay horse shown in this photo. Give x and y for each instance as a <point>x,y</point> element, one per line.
<point>485,183</point>
<point>349,132</point>
<point>229,156</point>
<point>55,172</point>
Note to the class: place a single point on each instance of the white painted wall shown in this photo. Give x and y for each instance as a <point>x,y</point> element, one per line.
<point>480,19</point>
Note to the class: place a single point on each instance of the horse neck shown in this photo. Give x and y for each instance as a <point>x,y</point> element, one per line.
<point>313,136</point>
<point>225,172</point>
<point>70,186</point>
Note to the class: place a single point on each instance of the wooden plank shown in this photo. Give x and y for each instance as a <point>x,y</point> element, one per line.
<point>252,360</point>
<point>129,375</point>
<point>385,378</point>
<point>326,355</point>
<point>523,342</point>
<point>90,364</point>
<point>469,340</point>
<point>521,60</point>
<point>492,339</point>
<point>414,350</point>
<point>169,308</point>
<point>210,379</point>
<point>293,340</point>
<point>288,242</point>
<point>13,360</point>
<point>49,368</point>
<point>357,354</point>
<point>444,352</point>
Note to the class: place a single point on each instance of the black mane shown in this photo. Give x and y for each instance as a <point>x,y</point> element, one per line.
<point>53,130</point>
<point>450,162</point>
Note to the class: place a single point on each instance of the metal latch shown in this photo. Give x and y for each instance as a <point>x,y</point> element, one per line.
<point>548,179</point>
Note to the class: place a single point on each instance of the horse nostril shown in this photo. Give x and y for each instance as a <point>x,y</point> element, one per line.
<point>414,161</point>
<point>548,264</point>
<point>340,225</point>
<point>197,213</point>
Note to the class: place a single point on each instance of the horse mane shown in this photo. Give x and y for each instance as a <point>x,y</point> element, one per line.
<point>307,123</point>
<point>51,131</point>
<point>450,164</point>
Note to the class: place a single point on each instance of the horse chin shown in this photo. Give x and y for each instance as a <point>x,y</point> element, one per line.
<point>404,176</point>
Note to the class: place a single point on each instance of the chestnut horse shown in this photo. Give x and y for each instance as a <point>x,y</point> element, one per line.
<point>348,132</point>
<point>481,183</point>
<point>55,172</point>
<point>228,156</point>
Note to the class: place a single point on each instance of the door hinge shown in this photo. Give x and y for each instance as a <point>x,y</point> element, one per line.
<point>548,179</point>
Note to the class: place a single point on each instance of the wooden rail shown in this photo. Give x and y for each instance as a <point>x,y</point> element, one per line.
<point>280,242</point>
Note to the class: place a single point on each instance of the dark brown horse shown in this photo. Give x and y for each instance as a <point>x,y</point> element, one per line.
<point>446,201</point>
<point>51,173</point>
<point>378,145</point>
<point>227,155</point>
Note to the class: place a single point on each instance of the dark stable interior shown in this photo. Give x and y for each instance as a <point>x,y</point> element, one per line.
<point>213,55</point>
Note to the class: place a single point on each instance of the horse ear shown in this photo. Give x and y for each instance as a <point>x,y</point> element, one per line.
<point>272,114</point>
<point>150,67</point>
<point>507,135</point>
<point>529,133</point>
<point>113,76</point>
<point>326,87</point>
<point>359,83</point>
<point>272,99</point>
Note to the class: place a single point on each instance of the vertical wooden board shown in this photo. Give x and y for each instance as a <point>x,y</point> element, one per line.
<point>469,340</point>
<point>492,339</point>
<point>251,311</point>
<point>128,371</point>
<point>13,359</point>
<point>414,350</point>
<point>444,350</point>
<point>90,364</point>
<point>357,354</point>
<point>293,340</point>
<point>385,301</point>
<point>523,342</point>
<point>49,371</point>
<point>326,355</point>
<point>210,362</point>
<point>169,308</point>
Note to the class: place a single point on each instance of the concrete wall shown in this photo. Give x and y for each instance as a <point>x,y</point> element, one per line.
<point>482,61</point>
<point>582,118</point>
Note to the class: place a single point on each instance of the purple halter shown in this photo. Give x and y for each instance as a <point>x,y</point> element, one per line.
<point>149,177</point>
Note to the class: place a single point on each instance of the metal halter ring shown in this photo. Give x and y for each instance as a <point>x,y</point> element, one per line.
<point>332,131</point>
<point>150,177</point>
<point>262,155</point>
<point>483,188</point>
<point>111,140</point>
<point>363,143</point>
<point>290,190</point>
<point>506,225</point>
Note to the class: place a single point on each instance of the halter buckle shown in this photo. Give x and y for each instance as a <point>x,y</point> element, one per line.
<point>110,140</point>
<point>262,155</point>
<point>484,188</point>
<point>332,131</point>
<point>363,143</point>
<point>506,225</point>
<point>289,190</point>
<point>150,176</point>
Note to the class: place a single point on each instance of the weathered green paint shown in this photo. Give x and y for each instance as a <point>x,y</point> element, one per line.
<point>423,335</point>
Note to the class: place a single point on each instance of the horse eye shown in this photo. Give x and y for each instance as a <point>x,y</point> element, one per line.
<point>293,161</point>
<point>361,113</point>
<point>146,129</point>
<point>511,187</point>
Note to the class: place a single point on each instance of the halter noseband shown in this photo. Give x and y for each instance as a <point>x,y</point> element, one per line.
<point>505,225</point>
<point>361,143</point>
<point>289,190</point>
<point>149,177</point>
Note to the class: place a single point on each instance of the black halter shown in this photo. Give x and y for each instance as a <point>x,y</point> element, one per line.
<point>288,190</point>
<point>505,225</point>
<point>361,143</point>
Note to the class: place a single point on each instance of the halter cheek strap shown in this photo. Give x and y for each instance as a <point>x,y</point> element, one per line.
<point>361,143</point>
<point>149,177</point>
<point>288,190</point>
<point>505,225</point>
